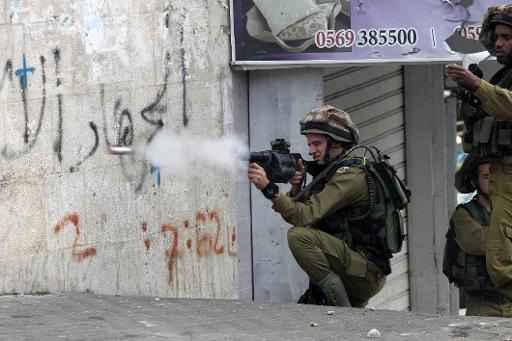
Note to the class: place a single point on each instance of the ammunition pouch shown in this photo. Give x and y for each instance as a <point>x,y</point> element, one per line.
<point>504,136</point>
<point>484,135</point>
<point>490,138</point>
<point>475,274</point>
<point>470,272</point>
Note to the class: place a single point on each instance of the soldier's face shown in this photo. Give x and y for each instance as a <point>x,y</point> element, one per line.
<point>483,178</point>
<point>317,146</point>
<point>503,43</point>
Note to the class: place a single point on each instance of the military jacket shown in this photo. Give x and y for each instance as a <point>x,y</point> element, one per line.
<point>347,188</point>
<point>471,236</point>
<point>497,100</point>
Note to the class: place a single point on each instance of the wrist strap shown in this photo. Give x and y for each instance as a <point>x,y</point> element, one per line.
<point>270,191</point>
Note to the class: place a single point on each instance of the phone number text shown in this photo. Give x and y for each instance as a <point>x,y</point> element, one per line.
<point>363,38</point>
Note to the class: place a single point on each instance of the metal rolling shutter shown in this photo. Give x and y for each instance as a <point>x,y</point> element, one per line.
<point>374,96</point>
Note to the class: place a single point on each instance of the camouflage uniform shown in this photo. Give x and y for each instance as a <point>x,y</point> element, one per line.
<point>467,266</point>
<point>320,248</point>
<point>470,222</point>
<point>496,100</point>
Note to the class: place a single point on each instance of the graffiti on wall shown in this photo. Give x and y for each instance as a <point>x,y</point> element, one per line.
<point>78,252</point>
<point>151,114</point>
<point>206,236</point>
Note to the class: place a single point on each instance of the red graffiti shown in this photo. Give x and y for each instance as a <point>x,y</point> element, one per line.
<point>147,241</point>
<point>74,219</point>
<point>172,252</point>
<point>209,235</point>
<point>147,244</point>
<point>218,249</point>
<point>203,243</point>
<point>204,240</point>
<point>200,218</point>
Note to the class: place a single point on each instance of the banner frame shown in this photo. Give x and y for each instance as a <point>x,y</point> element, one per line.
<point>287,64</point>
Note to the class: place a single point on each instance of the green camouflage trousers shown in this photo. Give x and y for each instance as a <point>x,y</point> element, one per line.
<point>479,305</point>
<point>499,236</point>
<point>318,253</point>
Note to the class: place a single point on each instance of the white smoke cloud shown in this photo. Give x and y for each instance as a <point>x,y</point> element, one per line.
<point>187,154</point>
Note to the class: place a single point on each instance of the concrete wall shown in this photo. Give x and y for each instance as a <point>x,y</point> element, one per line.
<point>75,218</point>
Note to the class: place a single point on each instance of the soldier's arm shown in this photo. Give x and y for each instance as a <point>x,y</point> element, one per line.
<point>347,186</point>
<point>495,100</point>
<point>469,234</point>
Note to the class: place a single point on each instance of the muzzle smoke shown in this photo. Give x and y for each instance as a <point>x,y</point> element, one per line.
<point>186,154</point>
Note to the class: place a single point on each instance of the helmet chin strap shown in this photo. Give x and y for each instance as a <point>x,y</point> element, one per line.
<point>327,154</point>
<point>329,157</point>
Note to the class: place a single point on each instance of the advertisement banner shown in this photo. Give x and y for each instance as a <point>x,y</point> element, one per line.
<point>272,33</point>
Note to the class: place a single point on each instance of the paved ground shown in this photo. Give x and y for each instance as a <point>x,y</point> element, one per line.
<point>91,317</point>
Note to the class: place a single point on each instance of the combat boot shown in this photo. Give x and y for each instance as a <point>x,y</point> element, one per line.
<point>334,291</point>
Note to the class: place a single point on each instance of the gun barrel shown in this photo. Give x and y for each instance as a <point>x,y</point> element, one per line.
<point>258,157</point>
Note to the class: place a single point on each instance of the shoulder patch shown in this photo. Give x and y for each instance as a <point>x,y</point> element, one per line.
<point>342,170</point>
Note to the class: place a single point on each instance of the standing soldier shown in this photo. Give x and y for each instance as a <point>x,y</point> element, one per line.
<point>340,256</point>
<point>489,134</point>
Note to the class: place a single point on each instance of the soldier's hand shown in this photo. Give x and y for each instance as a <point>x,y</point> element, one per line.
<point>298,178</point>
<point>257,176</point>
<point>463,77</point>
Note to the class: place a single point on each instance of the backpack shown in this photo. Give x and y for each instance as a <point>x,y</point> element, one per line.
<point>388,195</point>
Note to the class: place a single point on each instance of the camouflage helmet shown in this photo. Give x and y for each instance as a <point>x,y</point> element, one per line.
<point>466,178</point>
<point>330,121</point>
<point>495,15</point>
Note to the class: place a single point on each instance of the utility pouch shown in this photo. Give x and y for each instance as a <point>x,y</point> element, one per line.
<point>482,135</point>
<point>504,136</point>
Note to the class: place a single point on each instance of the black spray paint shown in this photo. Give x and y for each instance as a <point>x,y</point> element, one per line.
<point>124,135</point>
<point>7,72</point>
<point>10,154</point>
<point>155,108</point>
<point>93,150</point>
<point>57,145</point>
<point>184,73</point>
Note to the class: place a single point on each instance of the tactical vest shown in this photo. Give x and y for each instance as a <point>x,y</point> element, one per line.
<point>484,135</point>
<point>355,226</point>
<point>467,271</point>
